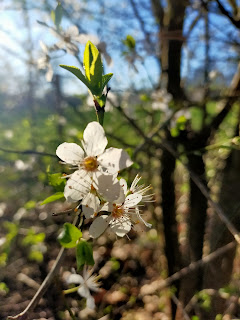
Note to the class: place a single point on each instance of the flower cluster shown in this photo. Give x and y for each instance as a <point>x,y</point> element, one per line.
<point>95,185</point>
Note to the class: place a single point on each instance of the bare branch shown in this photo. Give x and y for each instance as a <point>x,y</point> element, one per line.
<point>162,284</point>
<point>28,152</point>
<point>44,286</point>
<point>235,22</point>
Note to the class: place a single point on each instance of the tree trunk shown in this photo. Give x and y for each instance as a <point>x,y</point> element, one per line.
<point>219,234</point>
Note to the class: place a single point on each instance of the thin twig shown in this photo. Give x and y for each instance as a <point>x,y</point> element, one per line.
<point>195,178</point>
<point>44,286</point>
<point>162,284</point>
<point>28,152</point>
<point>180,306</point>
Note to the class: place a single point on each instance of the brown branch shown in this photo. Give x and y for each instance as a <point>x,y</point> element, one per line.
<point>44,286</point>
<point>221,214</point>
<point>28,152</point>
<point>162,284</point>
<point>141,22</point>
<point>235,22</point>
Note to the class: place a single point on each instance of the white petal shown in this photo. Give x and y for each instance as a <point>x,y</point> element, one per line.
<point>70,153</point>
<point>123,184</point>
<point>92,201</point>
<point>83,291</point>
<point>90,302</point>
<point>75,278</point>
<point>78,186</point>
<point>72,31</point>
<point>113,160</point>
<point>98,226</point>
<point>108,186</point>
<point>88,212</point>
<point>121,226</point>
<point>94,139</point>
<point>132,200</point>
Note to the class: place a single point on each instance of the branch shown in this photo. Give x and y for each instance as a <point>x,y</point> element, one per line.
<point>44,286</point>
<point>28,152</point>
<point>162,284</point>
<point>195,178</point>
<point>232,97</point>
<point>235,22</point>
<point>141,22</point>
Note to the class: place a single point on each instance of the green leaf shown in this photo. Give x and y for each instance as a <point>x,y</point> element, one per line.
<point>56,180</point>
<point>105,79</point>
<point>84,254</point>
<point>197,116</point>
<point>30,204</point>
<point>32,238</point>
<point>78,73</point>
<point>36,255</point>
<point>130,42</point>
<point>56,196</point>
<point>93,68</point>
<point>69,236</point>
<point>4,288</point>
<point>56,15</point>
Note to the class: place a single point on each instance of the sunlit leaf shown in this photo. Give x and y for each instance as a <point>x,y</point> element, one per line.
<point>78,73</point>
<point>54,197</point>
<point>69,236</point>
<point>93,68</point>
<point>56,180</point>
<point>105,79</point>
<point>84,254</point>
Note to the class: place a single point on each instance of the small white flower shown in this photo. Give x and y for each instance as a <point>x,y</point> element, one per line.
<point>70,38</point>
<point>87,282</point>
<point>161,99</point>
<point>124,210</point>
<point>81,186</point>
<point>44,62</point>
<point>94,158</point>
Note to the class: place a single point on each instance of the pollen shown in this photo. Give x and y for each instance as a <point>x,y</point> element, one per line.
<point>90,164</point>
<point>117,212</point>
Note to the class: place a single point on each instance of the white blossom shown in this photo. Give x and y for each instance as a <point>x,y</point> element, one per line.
<point>161,99</point>
<point>124,211</point>
<point>88,282</point>
<point>44,62</point>
<point>91,182</point>
<point>93,157</point>
<point>70,39</point>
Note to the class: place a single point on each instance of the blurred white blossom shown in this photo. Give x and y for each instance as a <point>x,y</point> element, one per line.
<point>161,99</point>
<point>44,62</point>
<point>88,282</point>
<point>70,39</point>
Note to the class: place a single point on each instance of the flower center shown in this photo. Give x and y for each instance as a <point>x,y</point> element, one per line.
<point>117,211</point>
<point>90,163</point>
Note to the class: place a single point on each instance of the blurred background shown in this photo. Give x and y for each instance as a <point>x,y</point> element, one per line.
<point>176,83</point>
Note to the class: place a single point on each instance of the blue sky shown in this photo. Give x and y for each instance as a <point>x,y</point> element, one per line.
<point>13,37</point>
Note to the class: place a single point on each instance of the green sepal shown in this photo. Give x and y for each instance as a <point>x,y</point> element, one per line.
<point>56,196</point>
<point>84,254</point>
<point>69,236</point>
<point>105,79</point>
<point>93,68</point>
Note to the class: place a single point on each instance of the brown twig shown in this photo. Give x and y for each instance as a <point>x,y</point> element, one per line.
<point>44,286</point>
<point>162,284</point>
<point>28,152</point>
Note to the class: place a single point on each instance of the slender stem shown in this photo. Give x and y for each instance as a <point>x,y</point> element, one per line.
<point>44,286</point>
